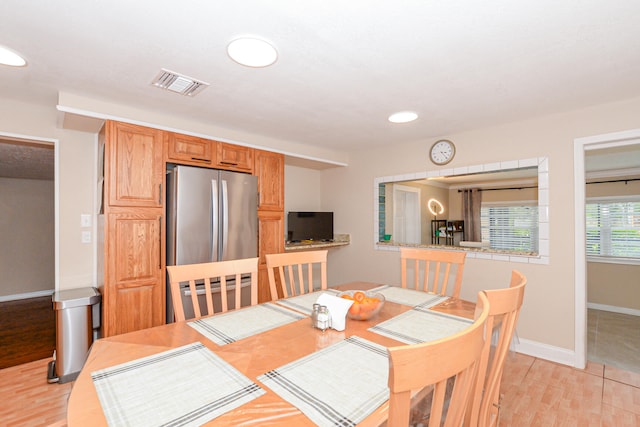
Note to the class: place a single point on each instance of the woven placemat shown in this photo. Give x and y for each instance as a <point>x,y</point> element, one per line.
<point>421,325</point>
<point>339,385</point>
<point>185,386</point>
<point>409,297</point>
<point>232,326</point>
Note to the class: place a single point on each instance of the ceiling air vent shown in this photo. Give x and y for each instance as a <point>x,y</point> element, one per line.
<point>178,83</point>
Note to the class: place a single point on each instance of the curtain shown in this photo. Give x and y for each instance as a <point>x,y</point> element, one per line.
<point>471,203</point>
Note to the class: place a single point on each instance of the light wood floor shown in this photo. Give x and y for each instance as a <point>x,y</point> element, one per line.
<point>536,393</point>
<point>27,399</point>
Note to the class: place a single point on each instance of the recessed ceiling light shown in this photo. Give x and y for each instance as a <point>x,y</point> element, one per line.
<point>9,57</point>
<point>252,52</point>
<point>403,117</point>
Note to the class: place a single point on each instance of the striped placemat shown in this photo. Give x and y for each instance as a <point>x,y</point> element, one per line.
<point>421,325</point>
<point>339,385</point>
<point>185,386</point>
<point>304,303</point>
<point>410,297</point>
<point>235,325</point>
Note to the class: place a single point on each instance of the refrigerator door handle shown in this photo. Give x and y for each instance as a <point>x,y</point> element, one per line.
<point>214,221</point>
<point>225,218</point>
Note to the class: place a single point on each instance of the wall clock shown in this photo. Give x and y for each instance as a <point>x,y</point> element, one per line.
<point>442,152</point>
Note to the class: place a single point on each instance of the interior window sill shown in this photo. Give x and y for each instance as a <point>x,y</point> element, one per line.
<point>392,244</point>
<point>613,260</point>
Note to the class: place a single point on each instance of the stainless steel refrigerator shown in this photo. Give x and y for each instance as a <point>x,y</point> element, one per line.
<point>211,216</point>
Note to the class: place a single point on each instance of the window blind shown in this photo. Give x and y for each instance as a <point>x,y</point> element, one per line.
<point>613,228</point>
<point>510,227</point>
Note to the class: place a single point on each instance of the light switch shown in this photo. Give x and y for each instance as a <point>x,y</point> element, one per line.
<point>86,237</point>
<point>85,220</point>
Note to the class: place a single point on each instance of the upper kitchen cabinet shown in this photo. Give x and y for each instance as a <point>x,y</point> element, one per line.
<point>269,169</point>
<point>190,150</point>
<point>134,166</point>
<point>234,157</point>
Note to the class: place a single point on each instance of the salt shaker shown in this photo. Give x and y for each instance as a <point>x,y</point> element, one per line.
<point>324,318</point>
<point>314,315</point>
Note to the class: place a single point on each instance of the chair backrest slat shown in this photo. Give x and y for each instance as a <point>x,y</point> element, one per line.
<point>505,305</point>
<point>443,274</point>
<point>207,274</point>
<point>291,278</point>
<point>416,366</point>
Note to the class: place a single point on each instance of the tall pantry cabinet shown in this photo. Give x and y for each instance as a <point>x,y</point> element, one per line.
<point>269,167</point>
<point>133,205</point>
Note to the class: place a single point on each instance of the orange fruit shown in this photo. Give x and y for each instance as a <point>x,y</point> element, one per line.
<point>347,296</point>
<point>368,306</point>
<point>354,310</point>
<point>359,296</point>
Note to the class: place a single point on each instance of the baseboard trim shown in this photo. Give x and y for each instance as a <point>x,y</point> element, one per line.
<point>614,309</point>
<point>27,295</point>
<point>547,352</point>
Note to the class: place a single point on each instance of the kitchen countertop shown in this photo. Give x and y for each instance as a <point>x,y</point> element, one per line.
<point>338,240</point>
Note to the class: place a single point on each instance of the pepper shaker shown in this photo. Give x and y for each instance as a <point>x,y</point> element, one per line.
<point>314,315</point>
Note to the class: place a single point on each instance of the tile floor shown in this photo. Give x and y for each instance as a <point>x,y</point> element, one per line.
<point>613,339</point>
<point>537,392</point>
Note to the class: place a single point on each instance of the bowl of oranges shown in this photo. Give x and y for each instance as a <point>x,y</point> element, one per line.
<point>365,304</point>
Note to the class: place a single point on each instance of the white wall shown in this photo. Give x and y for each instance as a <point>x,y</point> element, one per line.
<point>613,286</point>
<point>76,178</point>
<point>75,167</point>
<point>302,190</point>
<point>548,313</point>
<point>27,252</point>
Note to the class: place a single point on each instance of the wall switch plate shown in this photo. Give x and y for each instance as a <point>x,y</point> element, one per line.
<point>86,237</point>
<point>85,220</point>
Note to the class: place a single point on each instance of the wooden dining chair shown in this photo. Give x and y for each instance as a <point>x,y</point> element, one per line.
<point>295,273</point>
<point>209,274</point>
<point>416,366</point>
<point>504,310</point>
<point>430,270</point>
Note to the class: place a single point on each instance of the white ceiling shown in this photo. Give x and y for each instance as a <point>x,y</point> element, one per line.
<point>343,66</point>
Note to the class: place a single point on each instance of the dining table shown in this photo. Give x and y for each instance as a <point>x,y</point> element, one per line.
<point>197,359</point>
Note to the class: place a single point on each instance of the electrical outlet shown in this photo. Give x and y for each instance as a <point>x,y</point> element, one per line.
<point>86,237</point>
<point>85,220</point>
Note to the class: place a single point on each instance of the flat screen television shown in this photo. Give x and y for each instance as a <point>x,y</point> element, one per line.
<point>309,226</point>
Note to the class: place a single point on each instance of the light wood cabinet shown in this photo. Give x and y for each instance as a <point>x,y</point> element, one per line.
<point>271,241</point>
<point>133,165</point>
<point>190,149</point>
<point>269,168</point>
<point>133,292</point>
<point>234,157</point>
<point>133,259</point>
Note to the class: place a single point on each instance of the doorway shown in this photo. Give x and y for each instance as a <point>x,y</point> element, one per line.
<point>27,175</point>
<point>28,260</point>
<point>582,146</point>
<point>406,214</point>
